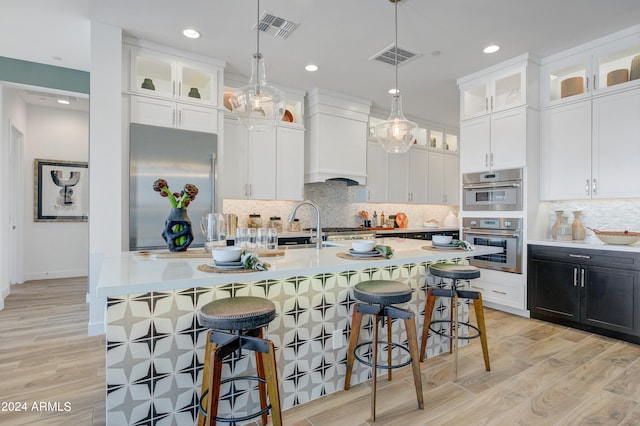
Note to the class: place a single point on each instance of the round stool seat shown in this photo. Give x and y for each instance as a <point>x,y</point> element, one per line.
<point>237,313</point>
<point>382,292</point>
<point>453,271</point>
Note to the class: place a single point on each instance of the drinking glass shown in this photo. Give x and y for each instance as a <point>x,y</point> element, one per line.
<point>241,237</point>
<point>261,239</point>
<point>272,238</point>
<point>252,234</point>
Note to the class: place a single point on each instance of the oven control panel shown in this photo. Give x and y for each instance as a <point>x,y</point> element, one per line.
<point>512,224</point>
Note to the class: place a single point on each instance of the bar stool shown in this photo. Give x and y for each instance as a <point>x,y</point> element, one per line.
<point>235,324</point>
<point>378,297</point>
<point>457,274</point>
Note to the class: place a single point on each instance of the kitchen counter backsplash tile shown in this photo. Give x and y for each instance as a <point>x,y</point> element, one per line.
<point>604,215</point>
<point>337,208</point>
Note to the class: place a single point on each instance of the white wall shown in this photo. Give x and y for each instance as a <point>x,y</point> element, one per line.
<point>53,249</point>
<point>107,163</point>
<point>13,112</point>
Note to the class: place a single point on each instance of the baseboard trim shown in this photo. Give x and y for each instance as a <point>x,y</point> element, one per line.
<point>96,329</point>
<point>34,276</point>
<point>508,309</point>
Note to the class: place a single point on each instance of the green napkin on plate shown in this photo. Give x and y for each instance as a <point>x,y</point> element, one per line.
<point>386,251</point>
<point>251,261</point>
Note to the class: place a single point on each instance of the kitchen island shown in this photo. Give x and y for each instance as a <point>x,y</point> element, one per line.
<point>155,346</point>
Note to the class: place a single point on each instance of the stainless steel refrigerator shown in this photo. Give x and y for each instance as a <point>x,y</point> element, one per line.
<point>179,157</point>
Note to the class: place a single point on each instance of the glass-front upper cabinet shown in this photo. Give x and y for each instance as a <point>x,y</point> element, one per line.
<point>608,64</point>
<point>502,89</point>
<point>156,74</point>
<point>451,143</point>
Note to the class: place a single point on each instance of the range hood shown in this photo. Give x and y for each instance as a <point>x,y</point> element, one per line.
<point>335,139</point>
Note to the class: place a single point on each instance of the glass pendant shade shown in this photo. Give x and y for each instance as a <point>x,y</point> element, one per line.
<point>396,134</point>
<point>258,105</point>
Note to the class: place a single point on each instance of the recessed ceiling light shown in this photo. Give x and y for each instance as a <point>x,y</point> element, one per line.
<point>63,101</point>
<point>393,91</point>
<point>311,68</point>
<point>492,48</point>
<point>191,33</point>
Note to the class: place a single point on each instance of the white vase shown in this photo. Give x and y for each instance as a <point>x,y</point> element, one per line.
<point>451,220</point>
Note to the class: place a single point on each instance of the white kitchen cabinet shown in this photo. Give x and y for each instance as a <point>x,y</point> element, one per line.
<point>170,90</point>
<point>443,179</point>
<point>158,112</point>
<point>162,75</point>
<point>248,164</point>
<point>584,71</point>
<point>289,164</point>
<point>377,175</point>
<point>407,181</point>
<point>507,85</point>
<point>589,149</point>
<point>493,142</point>
<point>335,137</point>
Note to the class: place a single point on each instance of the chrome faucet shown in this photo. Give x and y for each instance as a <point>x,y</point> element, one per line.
<point>318,225</point>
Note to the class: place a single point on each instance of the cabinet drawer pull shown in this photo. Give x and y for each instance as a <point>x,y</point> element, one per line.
<point>581,256</point>
<point>586,187</point>
<point>575,277</point>
<point>499,292</point>
<point>582,278</point>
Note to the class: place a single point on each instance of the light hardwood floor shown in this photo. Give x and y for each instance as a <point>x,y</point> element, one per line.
<point>541,374</point>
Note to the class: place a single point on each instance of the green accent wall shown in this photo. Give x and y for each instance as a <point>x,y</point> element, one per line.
<point>35,74</point>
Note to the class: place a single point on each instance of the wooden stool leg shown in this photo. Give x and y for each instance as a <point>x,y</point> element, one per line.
<point>477,307</point>
<point>374,367</point>
<point>214,387</point>
<point>271,375</point>
<point>261,386</point>
<point>412,337</point>
<point>428,311</point>
<point>389,347</point>
<point>356,322</point>
<point>206,373</point>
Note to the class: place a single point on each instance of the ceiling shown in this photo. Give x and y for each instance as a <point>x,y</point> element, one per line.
<point>338,35</point>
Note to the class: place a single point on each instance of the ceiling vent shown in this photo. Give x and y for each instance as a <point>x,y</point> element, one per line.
<point>388,55</point>
<point>276,26</point>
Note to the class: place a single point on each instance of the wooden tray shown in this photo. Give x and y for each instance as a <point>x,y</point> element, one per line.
<point>270,253</point>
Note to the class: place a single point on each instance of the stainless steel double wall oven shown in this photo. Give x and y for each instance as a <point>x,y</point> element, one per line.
<point>489,192</point>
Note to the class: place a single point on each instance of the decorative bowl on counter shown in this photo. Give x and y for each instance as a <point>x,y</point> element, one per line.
<point>441,240</point>
<point>226,254</point>
<point>617,237</point>
<point>362,246</point>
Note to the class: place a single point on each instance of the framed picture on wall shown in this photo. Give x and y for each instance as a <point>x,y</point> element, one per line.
<point>61,192</point>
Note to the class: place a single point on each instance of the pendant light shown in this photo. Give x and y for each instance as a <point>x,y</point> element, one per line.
<point>396,134</point>
<point>258,105</point>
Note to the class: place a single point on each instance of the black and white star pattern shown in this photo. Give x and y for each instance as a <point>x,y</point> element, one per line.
<point>156,345</point>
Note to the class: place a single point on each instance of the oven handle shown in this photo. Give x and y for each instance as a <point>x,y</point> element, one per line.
<point>491,234</point>
<point>491,185</point>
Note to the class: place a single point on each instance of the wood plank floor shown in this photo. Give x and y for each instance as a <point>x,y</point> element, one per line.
<point>541,374</point>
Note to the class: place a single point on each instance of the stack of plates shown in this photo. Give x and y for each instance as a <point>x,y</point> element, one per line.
<point>449,246</point>
<point>230,266</point>
<point>372,253</point>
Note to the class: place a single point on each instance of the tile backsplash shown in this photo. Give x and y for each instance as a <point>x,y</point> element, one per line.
<point>337,206</point>
<point>604,215</point>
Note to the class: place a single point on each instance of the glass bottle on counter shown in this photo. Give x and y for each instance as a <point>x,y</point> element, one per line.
<point>382,224</point>
<point>275,222</point>
<point>294,226</point>
<point>255,221</point>
<point>374,221</point>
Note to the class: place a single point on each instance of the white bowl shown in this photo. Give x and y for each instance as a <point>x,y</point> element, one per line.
<point>226,254</point>
<point>442,240</point>
<point>362,245</point>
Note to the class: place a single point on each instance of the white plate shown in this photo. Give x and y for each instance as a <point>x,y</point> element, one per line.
<point>234,263</point>
<point>372,253</point>
<point>444,246</point>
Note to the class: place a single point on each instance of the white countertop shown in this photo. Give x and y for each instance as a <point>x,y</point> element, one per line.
<point>126,273</point>
<point>635,248</point>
